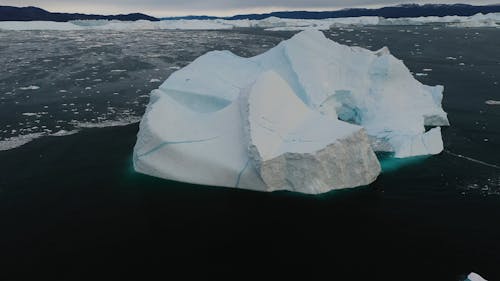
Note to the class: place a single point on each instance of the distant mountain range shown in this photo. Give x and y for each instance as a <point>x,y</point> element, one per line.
<point>400,11</point>
<point>8,13</point>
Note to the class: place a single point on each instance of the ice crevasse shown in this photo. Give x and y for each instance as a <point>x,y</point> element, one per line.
<point>307,116</point>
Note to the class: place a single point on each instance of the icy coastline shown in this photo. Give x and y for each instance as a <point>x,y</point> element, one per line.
<point>271,23</point>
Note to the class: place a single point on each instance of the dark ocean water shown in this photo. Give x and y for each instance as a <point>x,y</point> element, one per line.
<point>72,205</point>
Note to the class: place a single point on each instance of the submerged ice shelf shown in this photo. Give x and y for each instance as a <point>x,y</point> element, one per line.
<point>306,116</point>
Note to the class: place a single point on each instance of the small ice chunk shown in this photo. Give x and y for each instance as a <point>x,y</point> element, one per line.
<point>492,102</point>
<point>31,114</point>
<point>62,133</point>
<point>32,87</point>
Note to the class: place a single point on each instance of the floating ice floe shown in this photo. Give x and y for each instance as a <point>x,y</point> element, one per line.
<point>271,23</point>
<point>30,114</point>
<point>305,116</point>
<point>17,141</point>
<point>20,140</point>
<point>32,87</point>
<point>62,133</point>
<point>124,121</point>
<point>14,142</point>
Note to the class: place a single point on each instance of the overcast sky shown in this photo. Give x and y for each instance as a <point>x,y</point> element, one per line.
<point>161,8</point>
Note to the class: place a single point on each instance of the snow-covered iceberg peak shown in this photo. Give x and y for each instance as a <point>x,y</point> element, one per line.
<point>371,89</point>
<point>300,117</point>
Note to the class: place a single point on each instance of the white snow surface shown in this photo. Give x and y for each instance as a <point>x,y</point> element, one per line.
<point>304,97</point>
<point>279,122</point>
<point>271,23</point>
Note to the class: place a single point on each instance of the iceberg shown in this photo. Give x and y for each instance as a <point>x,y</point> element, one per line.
<point>308,116</point>
<point>474,277</point>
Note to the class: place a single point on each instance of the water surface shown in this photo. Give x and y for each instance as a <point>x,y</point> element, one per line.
<point>72,204</point>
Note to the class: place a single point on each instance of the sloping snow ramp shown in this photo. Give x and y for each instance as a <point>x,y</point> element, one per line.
<point>305,116</point>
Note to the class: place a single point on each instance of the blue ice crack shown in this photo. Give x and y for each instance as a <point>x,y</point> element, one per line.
<point>166,143</point>
<point>241,173</point>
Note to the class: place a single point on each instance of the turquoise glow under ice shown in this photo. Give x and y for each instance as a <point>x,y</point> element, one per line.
<point>391,164</point>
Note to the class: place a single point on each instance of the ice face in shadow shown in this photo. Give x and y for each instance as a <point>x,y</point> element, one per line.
<point>299,117</point>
